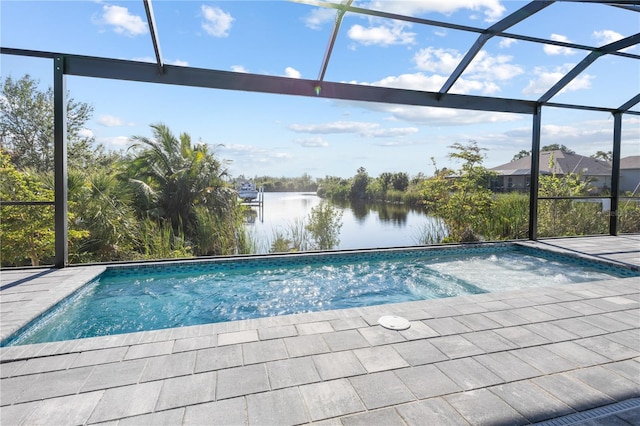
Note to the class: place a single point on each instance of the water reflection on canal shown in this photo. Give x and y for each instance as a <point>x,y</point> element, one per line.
<point>364,225</point>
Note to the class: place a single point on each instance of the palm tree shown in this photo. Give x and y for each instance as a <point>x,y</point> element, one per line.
<point>177,181</point>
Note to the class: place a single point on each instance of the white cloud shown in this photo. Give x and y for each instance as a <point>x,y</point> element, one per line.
<point>239,68</point>
<point>488,67</point>
<point>317,142</point>
<point>417,81</point>
<point>360,128</point>
<point>437,60</point>
<point>433,83</point>
<point>480,75</point>
<point>383,35</point>
<point>447,116</point>
<point>122,21</point>
<point>492,9</point>
<point>605,37</point>
<point>318,17</point>
<point>483,67</point>
<point>292,72</point>
<point>112,121</point>
<point>393,132</point>
<point>550,49</point>
<point>584,137</point>
<point>250,154</point>
<point>507,42</point>
<point>546,78</point>
<point>432,115</point>
<point>281,155</point>
<point>178,62</point>
<point>217,22</point>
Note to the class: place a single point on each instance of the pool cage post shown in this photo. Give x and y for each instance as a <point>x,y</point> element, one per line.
<point>61,257</point>
<point>535,171</point>
<point>615,173</point>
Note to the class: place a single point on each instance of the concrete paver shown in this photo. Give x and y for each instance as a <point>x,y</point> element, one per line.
<point>292,372</point>
<point>306,345</point>
<point>331,399</point>
<point>435,411</point>
<point>419,352</point>
<point>126,401</point>
<point>187,390</point>
<point>337,365</point>
<point>381,390</point>
<point>380,358</point>
<point>226,412</point>
<point>469,373</point>
<point>66,410</point>
<point>531,401</point>
<point>344,340</point>
<point>507,366</point>
<point>111,375</point>
<point>267,350</point>
<point>218,358</point>
<point>515,357</point>
<point>482,407</point>
<point>279,407</point>
<point>239,381</point>
<point>572,392</point>
<point>427,381</point>
<point>455,346</point>
<point>387,417</point>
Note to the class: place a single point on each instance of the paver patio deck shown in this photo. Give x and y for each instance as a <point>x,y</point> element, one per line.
<point>518,357</point>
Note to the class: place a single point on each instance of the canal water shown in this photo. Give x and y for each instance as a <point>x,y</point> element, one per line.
<point>364,225</point>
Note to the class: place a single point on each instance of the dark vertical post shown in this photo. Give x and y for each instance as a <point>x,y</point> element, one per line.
<point>60,162</point>
<point>615,173</point>
<point>535,171</point>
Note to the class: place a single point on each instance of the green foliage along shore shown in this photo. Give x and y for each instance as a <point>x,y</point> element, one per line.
<point>168,197</point>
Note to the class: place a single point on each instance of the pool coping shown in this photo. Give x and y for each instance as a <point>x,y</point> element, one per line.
<point>539,341</point>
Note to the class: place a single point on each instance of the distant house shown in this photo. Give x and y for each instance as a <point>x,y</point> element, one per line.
<point>630,174</point>
<point>516,175</point>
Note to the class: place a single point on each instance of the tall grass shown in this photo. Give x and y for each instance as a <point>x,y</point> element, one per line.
<point>629,217</point>
<point>433,231</point>
<point>294,238</point>
<point>508,218</point>
<point>158,241</point>
<point>563,218</point>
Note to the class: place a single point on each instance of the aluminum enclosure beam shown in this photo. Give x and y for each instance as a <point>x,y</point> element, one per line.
<point>61,230</point>
<point>334,34</point>
<point>452,26</point>
<point>630,103</point>
<point>151,20</point>
<point>615,174</point>
<point>588,60</point>
<point>534,184</point>
<point>497,28</point>
<point>85,66</point>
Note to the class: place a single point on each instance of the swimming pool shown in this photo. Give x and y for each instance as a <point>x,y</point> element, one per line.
<point>155,296</point>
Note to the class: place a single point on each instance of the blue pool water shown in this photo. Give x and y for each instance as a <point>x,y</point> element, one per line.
<point>149,297</point>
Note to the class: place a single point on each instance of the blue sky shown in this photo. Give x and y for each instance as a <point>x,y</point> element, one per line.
<point>288,136</point>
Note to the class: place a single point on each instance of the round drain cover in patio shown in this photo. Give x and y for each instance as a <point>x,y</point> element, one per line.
<point>393,322</point>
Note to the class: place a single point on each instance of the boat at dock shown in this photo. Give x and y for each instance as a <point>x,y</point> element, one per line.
<point>247,191</point>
